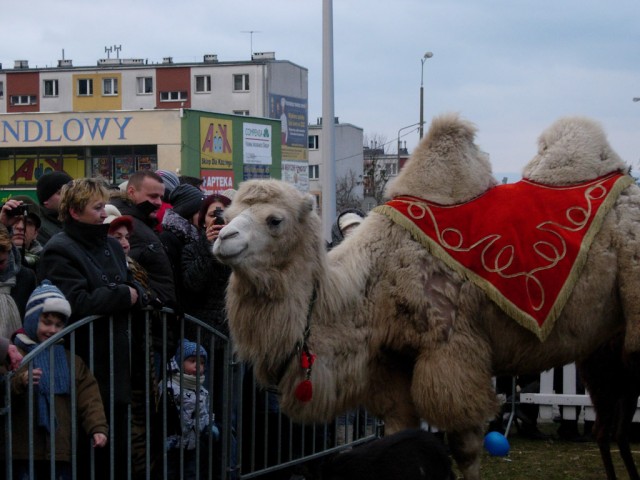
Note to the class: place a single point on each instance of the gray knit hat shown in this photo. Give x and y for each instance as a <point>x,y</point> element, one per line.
<point>170,180</point>
<point>186,200</point>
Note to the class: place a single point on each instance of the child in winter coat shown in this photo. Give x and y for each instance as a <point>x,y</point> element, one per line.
<point>46,314</point>
<point>186,393</point>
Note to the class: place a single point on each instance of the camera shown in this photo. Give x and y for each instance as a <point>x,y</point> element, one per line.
<point>20,210</point>
<point>219,216</point>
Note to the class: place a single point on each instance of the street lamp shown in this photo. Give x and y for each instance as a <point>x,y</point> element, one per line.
<point>422,60</point>
<point>636,99</point>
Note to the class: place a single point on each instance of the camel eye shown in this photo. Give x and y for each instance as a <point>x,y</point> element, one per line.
<point>274,221</point>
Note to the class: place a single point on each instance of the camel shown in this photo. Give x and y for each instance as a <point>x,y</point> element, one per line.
<point>381,321</point>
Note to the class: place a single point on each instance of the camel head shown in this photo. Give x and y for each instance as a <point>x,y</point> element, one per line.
<point>572,150</point>
<point>447,167</point>
<point>270,224</point>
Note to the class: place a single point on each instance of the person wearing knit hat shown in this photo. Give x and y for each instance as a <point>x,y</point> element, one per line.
<point>48,191</point>
<point>186,200</point>
<point>178,228</point>
<point>49,184</point>
<point>120,228</point>
<point>24,234</point>
<point>47,313</point>
<point>185,391</point>
<point>170,180</point>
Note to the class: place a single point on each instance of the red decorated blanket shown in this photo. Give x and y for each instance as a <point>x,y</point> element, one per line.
<point>524,243</point>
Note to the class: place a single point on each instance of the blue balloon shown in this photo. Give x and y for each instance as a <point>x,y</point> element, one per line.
<point>496,444</point>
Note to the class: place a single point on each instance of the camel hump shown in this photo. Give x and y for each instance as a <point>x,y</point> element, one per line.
<point>447,167</point>
<point>573,150</point>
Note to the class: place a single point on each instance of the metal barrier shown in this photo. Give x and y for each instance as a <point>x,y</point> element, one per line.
<point>248,435</point>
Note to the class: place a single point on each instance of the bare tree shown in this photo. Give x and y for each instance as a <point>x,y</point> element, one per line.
<point>376,175</point>
<point>346,195</point>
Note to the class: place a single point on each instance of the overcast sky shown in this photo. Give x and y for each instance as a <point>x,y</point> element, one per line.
<point>511,67</point>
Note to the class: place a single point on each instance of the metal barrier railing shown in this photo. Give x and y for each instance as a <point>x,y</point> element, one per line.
<point>253,437</point>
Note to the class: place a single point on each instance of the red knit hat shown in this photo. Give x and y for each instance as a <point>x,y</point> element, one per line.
<point>118,222</point>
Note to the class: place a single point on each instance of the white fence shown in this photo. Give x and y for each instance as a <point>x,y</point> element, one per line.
<point>574,405</point>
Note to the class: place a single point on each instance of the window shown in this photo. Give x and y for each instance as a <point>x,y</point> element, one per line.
<point>314,172</point>
<point>314,142</point>
<point>110,86</point>
<point>173,96</point>
<point>203,83</point>
<point>23,100</point>
<point>51,88</point>
<point>85,86</point>
<point>392,168</point>
<point>241,82</point>
<point>241,112</point>
<point>1,89</point>
<point>145,85</point>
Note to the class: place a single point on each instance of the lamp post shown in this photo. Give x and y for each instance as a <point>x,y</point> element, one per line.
<point>422,60</point>
<point>636,99</point>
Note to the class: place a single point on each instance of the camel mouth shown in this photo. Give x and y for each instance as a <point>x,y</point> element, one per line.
<point>226,253</point>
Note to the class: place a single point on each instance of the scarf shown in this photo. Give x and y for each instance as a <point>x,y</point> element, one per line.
<point>189,382</point>
<point>61,379</point>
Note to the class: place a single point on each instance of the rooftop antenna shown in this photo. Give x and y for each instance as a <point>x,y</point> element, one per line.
<point>113,48</point>
<point>251,32</point>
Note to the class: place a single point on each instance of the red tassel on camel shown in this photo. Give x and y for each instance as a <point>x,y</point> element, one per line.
<point>304,390</point>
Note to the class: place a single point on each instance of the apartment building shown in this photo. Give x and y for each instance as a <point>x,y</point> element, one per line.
<point>348,164</point>
<point>223,121</point>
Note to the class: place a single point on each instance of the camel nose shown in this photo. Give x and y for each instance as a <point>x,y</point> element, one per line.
<point>228,232</point>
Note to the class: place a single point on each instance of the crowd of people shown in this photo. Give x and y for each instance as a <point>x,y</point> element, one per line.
<point>86,248</point>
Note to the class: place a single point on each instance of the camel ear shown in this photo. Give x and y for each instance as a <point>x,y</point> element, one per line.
<point>308,205</point>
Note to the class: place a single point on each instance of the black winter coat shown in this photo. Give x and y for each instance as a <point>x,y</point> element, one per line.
<point>148,251</point>
<point>205,279</point>
<point>90,269</point>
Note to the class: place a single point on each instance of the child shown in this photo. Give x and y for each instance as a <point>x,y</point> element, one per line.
<point>46,314</point>
<point>194,398</point>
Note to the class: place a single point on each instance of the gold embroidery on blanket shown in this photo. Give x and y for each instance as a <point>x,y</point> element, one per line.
<point>453,239</point>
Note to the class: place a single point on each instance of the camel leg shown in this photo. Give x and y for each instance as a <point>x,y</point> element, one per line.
<point>629,273</point>
<point>628,408</point>
<point>602,433</point>
<point>466,448</point>
<point>453,392</point>
<point>390,395</point>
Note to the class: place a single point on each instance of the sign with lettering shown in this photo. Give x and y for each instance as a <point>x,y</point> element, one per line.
<point>144,127</point>
<point>216,143</point>
<point>216,181</point>
<point>256,140</point>
<point>72,130</point>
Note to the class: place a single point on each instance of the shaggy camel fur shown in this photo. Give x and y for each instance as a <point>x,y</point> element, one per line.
<point>393,328</point>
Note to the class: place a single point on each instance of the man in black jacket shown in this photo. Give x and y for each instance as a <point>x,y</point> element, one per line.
<point>48,191</point>
<point>141,201</point>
